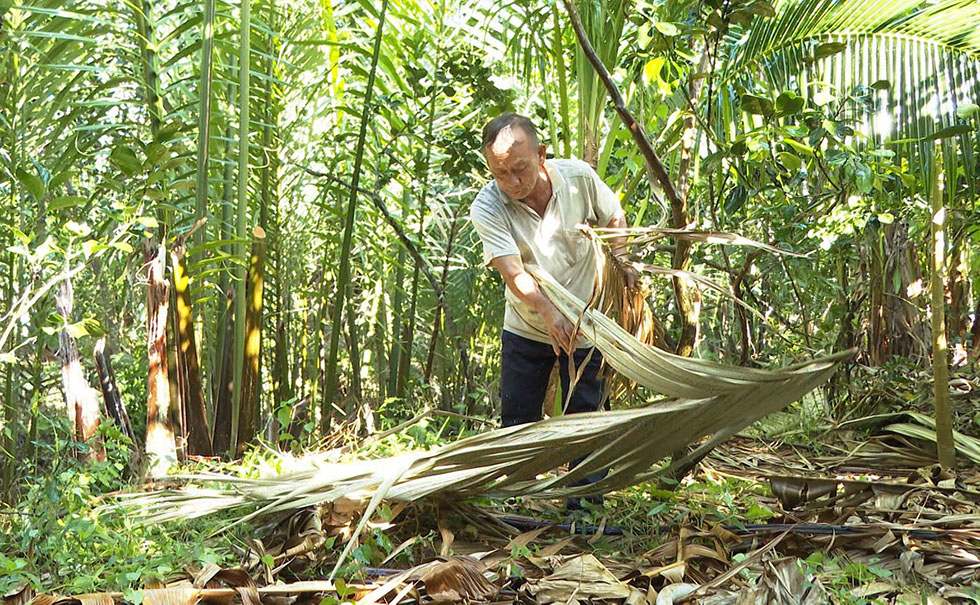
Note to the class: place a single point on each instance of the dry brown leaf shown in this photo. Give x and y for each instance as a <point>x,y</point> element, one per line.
<point>177,595</point>
<point>636,597</point>
<point>21,596</point>
<point>447,535</point>
<point>582,577</point>
<point>525,538</point>
<point>457,579</point>
<point>556,548</point>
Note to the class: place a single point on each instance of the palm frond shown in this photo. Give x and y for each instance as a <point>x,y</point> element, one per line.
<point>708,399</point>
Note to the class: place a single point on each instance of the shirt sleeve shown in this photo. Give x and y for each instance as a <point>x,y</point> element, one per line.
<point>491,225</point>
<point>606,203</point>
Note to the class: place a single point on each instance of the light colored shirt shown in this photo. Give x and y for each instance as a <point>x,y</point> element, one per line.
<point>551,242</point>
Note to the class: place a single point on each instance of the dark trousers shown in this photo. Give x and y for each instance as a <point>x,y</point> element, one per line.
<point>525,367</point>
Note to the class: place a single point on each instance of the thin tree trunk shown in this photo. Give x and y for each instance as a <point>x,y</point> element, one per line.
<point>688,307</point>
<point>189,371</point>
<point>958,322</point>
<point>248,417</point>
<point>437,321</point>
<point>940,361</point>
<point>160,443</point>
<point>241,222</point>
<point>330,382</point>
<point>975,331</point>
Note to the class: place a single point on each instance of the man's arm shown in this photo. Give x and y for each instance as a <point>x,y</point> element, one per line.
<point>618,247</point>
<point>524,286</point>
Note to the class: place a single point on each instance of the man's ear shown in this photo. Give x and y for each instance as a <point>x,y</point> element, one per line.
<point>542,153</point>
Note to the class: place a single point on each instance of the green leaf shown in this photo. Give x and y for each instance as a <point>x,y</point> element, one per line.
<point>828,48</point>
<point>60,178</point>
<point>792,162</point>
<point>788,103</point>
<point>76,330</point>
<point>667,29</point>
<point>31,182</point>
<point>166,133</point>
<point>762,8</point>
<point>881,85</point>
<point>91,246</point>
<point>886,218</point>
<point>148,221</point>
<point>124,158</point>
<point>950,131</point>
<point>651,71</point>
<point>822,98</point>
<point>802,148</point>
<point>65,201</point>
<point>759,106</point>
<point>741,17</point>
<point>967,110</point>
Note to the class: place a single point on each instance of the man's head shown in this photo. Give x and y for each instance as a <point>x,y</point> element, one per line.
<point>513,154</point>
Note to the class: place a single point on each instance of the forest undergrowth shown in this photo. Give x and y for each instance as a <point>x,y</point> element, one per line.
<point>851,512</point>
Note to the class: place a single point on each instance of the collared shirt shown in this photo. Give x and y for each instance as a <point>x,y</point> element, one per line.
<point>552,241</point>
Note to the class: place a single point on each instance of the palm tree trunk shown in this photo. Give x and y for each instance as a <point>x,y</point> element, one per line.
<point>160,444</point>
<point>248,418</point>
<point>188,368</point>
<point>114,404</point>
<point>940,361</point>
<point>81,403</point>
<point>225,331</point>
<point>241,223</point>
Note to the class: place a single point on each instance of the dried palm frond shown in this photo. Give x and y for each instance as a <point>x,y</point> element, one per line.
<point>642,236</point>
<point>707,399</point>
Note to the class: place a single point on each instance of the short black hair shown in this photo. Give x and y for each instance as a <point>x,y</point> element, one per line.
<point>494,126</point>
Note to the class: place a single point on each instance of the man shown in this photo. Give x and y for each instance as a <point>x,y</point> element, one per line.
<point>528,215</point>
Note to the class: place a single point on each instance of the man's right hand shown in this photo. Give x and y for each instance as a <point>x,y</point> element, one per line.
<point>559,330</point>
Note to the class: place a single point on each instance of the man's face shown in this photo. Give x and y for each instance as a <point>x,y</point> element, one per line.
<point>515,162</point>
